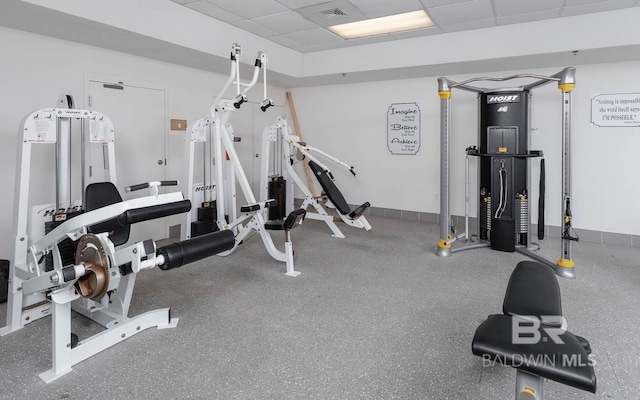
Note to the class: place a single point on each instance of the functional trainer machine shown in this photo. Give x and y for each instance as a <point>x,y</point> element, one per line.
<point>504,176</point>
<point>294,150</point>
<point>227,169</point>
<point>73,264</point>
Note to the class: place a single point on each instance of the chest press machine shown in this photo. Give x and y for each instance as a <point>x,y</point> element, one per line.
<point>228,168</point>
<point>97,278</point>
<point>295,150</point>
<point>504,154</point>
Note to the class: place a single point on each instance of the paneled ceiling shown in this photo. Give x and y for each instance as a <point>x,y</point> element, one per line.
<point>468,36</point>
<point>301,24</point>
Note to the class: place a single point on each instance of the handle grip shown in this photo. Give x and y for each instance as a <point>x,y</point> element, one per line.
<point>147,185</point>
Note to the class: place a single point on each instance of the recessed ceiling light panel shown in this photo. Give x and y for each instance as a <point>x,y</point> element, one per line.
<point>378,26</point>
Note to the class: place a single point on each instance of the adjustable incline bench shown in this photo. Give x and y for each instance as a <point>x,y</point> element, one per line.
<point>531,335</point>
<point>333,193</point>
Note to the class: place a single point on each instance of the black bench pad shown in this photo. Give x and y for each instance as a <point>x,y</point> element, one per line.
<point>334,194</point>
<point>330,188</point>
<point>533,290</point>
<point>287,224</point>
<point>566,363</point>
<point>141,214</point>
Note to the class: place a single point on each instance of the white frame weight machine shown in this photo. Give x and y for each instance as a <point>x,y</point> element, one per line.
<point>449,244</point>
<point>295,149</point>
<point>94,284</point>
<point>228,168</point>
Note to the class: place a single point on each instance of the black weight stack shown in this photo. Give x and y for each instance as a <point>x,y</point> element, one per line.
<point>277,189</point>
<point>206,219</point>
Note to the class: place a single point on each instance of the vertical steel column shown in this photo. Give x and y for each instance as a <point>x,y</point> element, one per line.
<point>444,91</point>
<point>63,164</point>
<point>565,263</point>
<point>83,160</point>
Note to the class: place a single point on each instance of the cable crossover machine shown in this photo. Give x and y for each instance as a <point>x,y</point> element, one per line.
<point>216,131</point>
<point>504,137</point>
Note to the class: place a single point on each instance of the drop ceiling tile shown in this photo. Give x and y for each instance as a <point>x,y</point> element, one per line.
<point>440,3</point>
<point>467,26</point>
<point>254,28</point>
<point>596,7</point>
<point>250,8</point>
<point>571,3</point>
<point>470,11</point>
<point>330,46</point>
<point>513,7</point>
<point>286,22</point>
<point>433,30</point>
<point>332,13</point>
<point>294,4</point>
<point>528,17</point>
<point>315,36</point>
<point>213,11</point>
<point>382,8</point>
<point>290,43</point>
<point>372,39</point>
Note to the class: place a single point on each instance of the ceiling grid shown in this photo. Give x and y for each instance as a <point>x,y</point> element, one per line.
<point>301,24</point>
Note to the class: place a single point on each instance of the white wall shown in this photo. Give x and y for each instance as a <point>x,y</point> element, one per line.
<point>36,70</point>
<point>348,121</point>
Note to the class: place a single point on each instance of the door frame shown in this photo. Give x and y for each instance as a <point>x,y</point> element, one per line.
<point>99,77</point>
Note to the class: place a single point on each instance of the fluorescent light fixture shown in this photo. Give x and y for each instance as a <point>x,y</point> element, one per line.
<point>378,26</point>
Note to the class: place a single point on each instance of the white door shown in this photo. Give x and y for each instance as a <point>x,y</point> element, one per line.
<point>138,116</point>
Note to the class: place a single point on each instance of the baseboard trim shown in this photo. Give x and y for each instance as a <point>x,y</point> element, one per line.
<point>552,232</point>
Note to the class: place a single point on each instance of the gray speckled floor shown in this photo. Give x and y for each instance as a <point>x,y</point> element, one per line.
<point>374,316</point>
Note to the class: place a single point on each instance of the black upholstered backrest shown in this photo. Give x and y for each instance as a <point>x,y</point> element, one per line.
<point>102,194</point>
<point>330,188</point>
<point>533,290</point>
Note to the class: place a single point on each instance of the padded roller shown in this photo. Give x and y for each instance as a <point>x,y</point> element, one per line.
<point>158,211</point>
<point>185,252</point>
<point>293,217</point>
<point>359,211</point>
<point>256,206</point>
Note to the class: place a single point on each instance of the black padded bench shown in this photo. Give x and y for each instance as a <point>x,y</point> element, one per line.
<point>541,348</point>
<point>334,194</point>
<point>102,194</point>
<point>288,223</point>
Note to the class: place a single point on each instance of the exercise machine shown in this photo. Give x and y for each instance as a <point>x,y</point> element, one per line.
<point>227,169</point>
<point>294,151</point>
<point>504,153</point>
<point>75,263</point>
<point>531,335</point>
